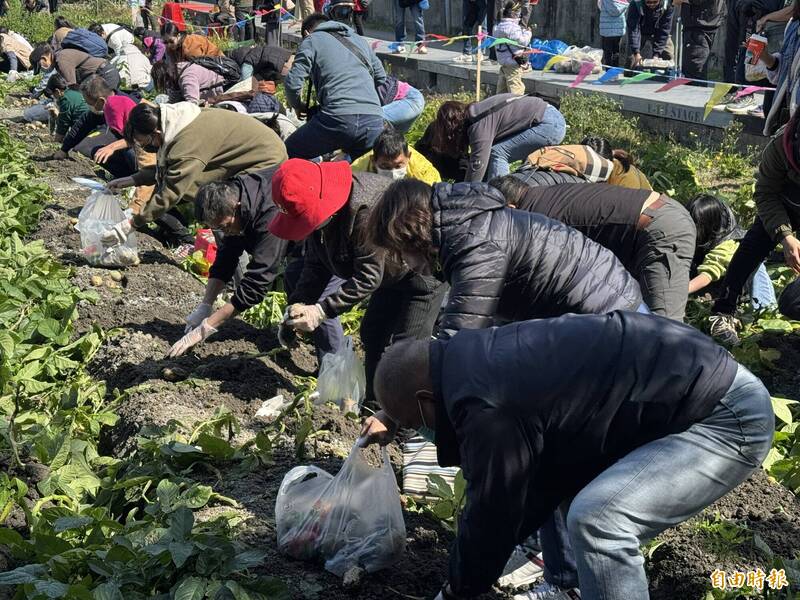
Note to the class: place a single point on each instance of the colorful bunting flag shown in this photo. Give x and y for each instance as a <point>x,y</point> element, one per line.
<point>720,90</point>
<point>637,78</point>
<point>554,61</point>
<point>673,84</point>
<point>374,45</point>
<point>586,69</point>
<point>610,75</point>
<point>750,89</point>
<point>496,41</point>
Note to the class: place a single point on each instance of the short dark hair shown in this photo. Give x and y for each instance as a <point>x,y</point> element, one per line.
<point>402,219</point>
<point>603,147</point>
<point>38,52</point>
<point>390,144</point>
<point>55,82</point>
<point>62,22</point>
<point>449,128</point>
<point>96,28</point>
<point>513,188</point>
<point>215,201</point>
<point>143,119</point>
<point>95,87</point>
<point>311,22</point>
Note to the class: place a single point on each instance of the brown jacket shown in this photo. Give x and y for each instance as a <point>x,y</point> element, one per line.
<point>777,193</point>
<point>195,45</point>
<point>10,44</point>
<point>75,66</point>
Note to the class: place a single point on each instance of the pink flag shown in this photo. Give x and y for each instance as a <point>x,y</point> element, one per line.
<point>673,84</point>
<point>586,68</point>
<point>375,44</point>
<point>750,89</point>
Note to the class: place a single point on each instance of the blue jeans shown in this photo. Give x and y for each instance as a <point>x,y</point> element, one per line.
<point>329,336</point>
<point>549,132</point>
<point>402,113</point>
<point>662,484</point>
<point>400,22</point>
<point>323,133</point>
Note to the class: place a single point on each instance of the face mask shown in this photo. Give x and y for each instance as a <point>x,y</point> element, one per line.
<point>425,431</point>
<point>398,173</point>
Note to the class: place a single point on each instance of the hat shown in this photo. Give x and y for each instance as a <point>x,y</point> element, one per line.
<point>306,194</point>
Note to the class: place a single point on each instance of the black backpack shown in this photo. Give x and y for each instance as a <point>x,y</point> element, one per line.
<point>221,65</point>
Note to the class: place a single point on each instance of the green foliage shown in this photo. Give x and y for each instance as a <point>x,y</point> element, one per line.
<point>38,27</point>
<point>448,502</point>
<point>723,537</point>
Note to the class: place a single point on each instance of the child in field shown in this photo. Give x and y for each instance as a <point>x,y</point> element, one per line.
<point>513,60</point>
<point>612,28</point>
<point>70,103</point>
<point>718,237</point>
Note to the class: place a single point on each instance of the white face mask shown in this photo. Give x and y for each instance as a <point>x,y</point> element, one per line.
<point>398,173</point>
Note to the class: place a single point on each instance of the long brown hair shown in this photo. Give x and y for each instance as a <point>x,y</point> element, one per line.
<point>449,129</point>
<point>402,219</point>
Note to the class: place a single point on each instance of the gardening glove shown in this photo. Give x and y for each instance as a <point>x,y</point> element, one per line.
<point>194,337</point>
<point>12,76</point>
<point>197,316</point>
<point>116,235</point>
<point>305,317</point>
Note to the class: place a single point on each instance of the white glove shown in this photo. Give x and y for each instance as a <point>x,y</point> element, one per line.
<point>194,337</point>
<point>197,316</point>
<point>305,317</point>
<point>116,235</point>
<point>12,76</point>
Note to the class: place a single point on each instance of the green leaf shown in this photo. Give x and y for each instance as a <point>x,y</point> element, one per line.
<point>215,446</point>
<point>459,487</point>
<point>21,575</point>
<point>439,487</point>
<point>68,523</point>
<point>6,343</point>
<point>776,325</point>
<point>181,523</point>
<point>51,588</point>
<point>9,537</point>
<point>443,510</point>
<point>107,591</point>
<point>180,552</point>
<point>191,588</point>
<point>782,410</point>
<point>49,328</point>
<point>197,496</point>
<point>48,546</point>
<point>167,494</point>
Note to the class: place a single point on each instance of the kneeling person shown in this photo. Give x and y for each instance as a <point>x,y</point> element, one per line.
<point>241,208</point>
<point>640,420</point>
<point>392,157</point>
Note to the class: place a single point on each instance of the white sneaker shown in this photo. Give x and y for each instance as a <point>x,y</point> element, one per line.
<point>463,58</point>
<point>523,568</point>
<point>547,591</point>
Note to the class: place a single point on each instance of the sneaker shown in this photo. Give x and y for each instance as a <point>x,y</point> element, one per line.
<point>399,50</point>
<point>757,112</point>
<point>547,591</point>
<point>723,329</point>
<point>742,105</point>
<point>421,49</point>
<point>523,568</point>
<point>725,100</point>
<point>464,59</point>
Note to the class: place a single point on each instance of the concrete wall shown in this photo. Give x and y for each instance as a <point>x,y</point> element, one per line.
<point>574,21</point>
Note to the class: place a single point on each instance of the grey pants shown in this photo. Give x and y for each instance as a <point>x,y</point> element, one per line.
<point>664,251</point>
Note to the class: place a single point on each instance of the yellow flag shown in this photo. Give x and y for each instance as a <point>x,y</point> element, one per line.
<point>553,60</point>
<point>720,89</point>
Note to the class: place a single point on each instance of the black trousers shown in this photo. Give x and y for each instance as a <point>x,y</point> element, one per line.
<point>753,249</point>
<point>406,309</point>
<point>248,30</point>
<point>696,50</point>
<point>611,50</point>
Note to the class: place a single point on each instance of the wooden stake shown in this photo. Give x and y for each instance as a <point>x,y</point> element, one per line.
<point>478,65</point>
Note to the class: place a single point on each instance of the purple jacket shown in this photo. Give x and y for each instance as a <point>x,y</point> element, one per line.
<point>197,82</point>
<point>154,48</point>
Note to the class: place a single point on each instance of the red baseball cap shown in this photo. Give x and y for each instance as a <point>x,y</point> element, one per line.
<point>306,194</point>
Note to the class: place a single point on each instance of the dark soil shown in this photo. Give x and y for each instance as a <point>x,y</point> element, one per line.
<point>143,315</point>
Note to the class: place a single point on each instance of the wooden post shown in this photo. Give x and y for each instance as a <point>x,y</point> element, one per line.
<point>478,65</point>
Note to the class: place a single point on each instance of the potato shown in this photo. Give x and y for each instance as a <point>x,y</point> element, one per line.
<point>96,280</point>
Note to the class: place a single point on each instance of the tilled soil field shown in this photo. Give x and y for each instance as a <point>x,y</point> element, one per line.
<point>144,313</point>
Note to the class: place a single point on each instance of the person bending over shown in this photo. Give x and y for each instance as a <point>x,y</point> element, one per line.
<point>392,157</point>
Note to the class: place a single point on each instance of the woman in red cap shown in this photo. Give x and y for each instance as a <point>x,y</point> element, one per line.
<point>328,205</point>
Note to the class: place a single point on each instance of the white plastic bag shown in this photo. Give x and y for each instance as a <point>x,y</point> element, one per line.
<point>351,520</point>
<point>755,72</point>
<point>341,379</point>
<point>102,211</point>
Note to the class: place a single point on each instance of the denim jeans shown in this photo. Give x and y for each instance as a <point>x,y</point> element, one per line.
<point>37,112</point>
<point>474,13</point>
<point>662,484</point>
<point>246,71</point>
<point>402,113</point>
<point>329,336</point>
<point>549,132</point>
<point>557,555</point>
<point>400,22</point>
<point>753,249</point>
<point>323,133</point>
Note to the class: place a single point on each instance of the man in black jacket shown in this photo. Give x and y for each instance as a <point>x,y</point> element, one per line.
<point>649,20</point>
<point>652,235</point>
<point>241,208</point>
<point>701,20</point>
<point>328,205</point>
<point>642,421</point>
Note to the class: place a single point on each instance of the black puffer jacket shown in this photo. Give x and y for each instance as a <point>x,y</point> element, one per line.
<point>509,265</point>
<point>267,61</point>
<point>340,249</point>
<point>702,14</point>
<point>266,250</point>
<point>542,178</point>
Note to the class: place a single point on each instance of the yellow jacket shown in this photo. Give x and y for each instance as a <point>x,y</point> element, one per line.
<point>419,167</point>
<point>633,179</point>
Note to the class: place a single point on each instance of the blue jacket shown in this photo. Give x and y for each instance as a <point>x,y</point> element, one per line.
<point>612,17</point>
<point>342,82</point>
